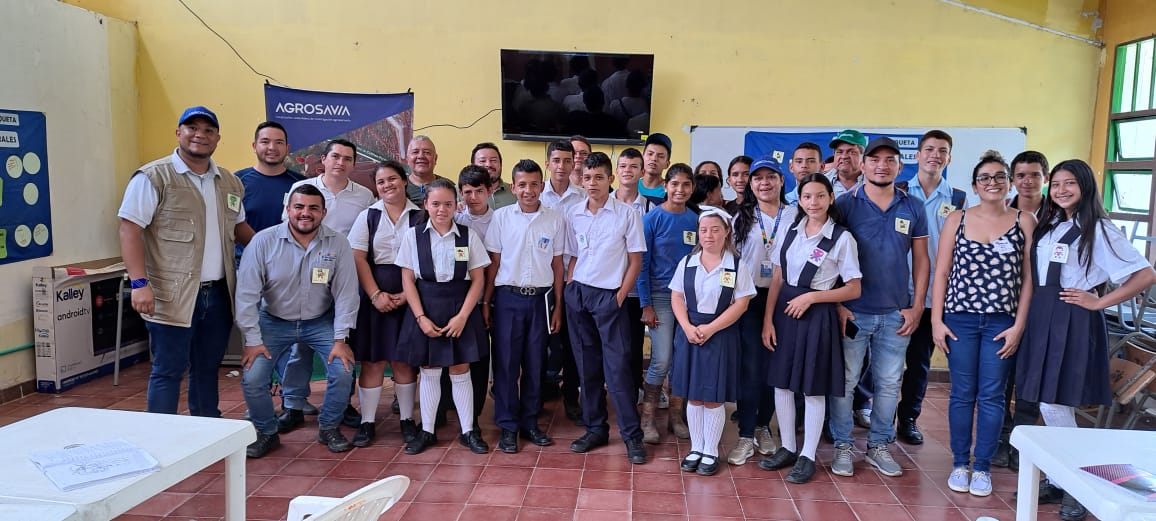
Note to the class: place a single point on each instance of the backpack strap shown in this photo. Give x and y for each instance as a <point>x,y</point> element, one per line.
<point>816,257</point>
<point>373,219</point>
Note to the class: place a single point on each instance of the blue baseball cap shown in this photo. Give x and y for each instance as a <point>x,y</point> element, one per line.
<point>659,139</point>
<point>768,162</point>
<point>198,112</point>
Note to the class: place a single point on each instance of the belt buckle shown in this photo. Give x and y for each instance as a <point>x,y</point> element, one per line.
<point>529,292</point>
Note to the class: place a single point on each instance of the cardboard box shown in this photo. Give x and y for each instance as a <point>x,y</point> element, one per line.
<point>74,316</point>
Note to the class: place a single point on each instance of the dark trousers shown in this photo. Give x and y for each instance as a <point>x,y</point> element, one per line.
<point>560,359</point>
<point>918,366</point>
<point>520,333</point>
<point>1026,412</point>
<point>756,401</point>
<point>637,334</point>
<point>601,342</point>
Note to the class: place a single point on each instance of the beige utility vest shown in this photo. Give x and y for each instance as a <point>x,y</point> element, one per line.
<point>174,243</point>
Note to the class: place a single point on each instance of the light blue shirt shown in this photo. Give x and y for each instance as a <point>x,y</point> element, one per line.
<point>936,206</point>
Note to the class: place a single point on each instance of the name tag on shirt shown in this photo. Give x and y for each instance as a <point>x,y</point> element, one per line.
<point>689,238</point>
<point>234,202</point>
<point>816,257</point>
<point>945,208</point>
<point>462,253</point>
<point>582,242</point>
<point>902,225</point>
<point>1060,253</point>
<point>766,269</point>
<point>544,243</point>
<point>321,275</point>
<point>727,279</point>
<point>1003,246</point>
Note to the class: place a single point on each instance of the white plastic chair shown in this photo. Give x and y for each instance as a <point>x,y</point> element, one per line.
<point>365,504</point>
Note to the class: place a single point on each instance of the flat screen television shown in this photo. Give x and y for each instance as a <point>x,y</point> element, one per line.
<point>548,95</point>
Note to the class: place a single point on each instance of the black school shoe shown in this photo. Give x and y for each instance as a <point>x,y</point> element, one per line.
<point>588,442</point>
<point>290,419</point>
<point>635,451</point>
<point>473,440</point>
<point>365,435</point>
<point>421,442</point>
<point>781,459</point>
<point>264,444</point>
<point>909,433</point>
<point>1072,510</point>
<point>508,443</point>
<point>689,464</point>
<point>409,430</point>
<point>350,417</point>
<point>803,470</point>
<point>708,469</point>
<point>333,439</point>
<point>537,437</point>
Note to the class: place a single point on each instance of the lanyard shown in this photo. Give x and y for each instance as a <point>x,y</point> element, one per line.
<point>767,242</point>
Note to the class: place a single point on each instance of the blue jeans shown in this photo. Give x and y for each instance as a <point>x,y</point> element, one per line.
<point>877,333</point>
<point>661,338</point>
<point>197,349</point>
<point>279,337</point>
<point>295,371</point>
<point>978,379</point>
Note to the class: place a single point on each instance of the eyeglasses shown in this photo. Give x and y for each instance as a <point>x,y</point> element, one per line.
<point>991,179</point>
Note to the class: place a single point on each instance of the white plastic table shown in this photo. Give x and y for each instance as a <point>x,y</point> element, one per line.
<point>183,445</point>
<point>1060,452</point>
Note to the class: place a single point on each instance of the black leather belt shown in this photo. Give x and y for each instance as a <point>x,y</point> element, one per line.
<point>528,291</point>
<point>211,283</point>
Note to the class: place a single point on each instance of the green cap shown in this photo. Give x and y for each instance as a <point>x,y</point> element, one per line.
<point>851,137</point>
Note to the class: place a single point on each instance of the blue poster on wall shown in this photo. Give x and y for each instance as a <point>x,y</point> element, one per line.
<point>780,145</point>
<point>25,211</point>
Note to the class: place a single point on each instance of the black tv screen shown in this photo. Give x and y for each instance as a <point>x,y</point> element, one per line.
<point>549,95</point>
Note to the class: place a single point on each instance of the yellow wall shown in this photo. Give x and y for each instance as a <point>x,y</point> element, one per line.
<point>742,62</point>
<point>1124,21</point>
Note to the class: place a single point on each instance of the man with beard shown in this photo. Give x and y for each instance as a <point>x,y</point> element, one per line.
<point>303,272</point>
<point>487,155</point>
<point>889,225</point>
<point>422,158</point>
<point>178,222</point>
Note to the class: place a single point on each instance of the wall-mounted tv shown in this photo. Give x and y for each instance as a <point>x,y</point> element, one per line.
<point>548,95</point>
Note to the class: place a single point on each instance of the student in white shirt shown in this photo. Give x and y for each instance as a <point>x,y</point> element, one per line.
<point>375,239</point>
<point>442,277</point>
<point>525,242</point>
<point>605,244</point>
<point>709,291</point>
<point>627,172</point>
<point>1063,357</point>
<point>801,327</point>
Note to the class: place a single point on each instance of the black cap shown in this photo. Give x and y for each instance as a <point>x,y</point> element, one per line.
<point>659,139</point>
<point>881,142</point>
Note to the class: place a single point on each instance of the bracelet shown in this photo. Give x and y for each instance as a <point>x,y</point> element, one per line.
<point>375,295</point>
<point>419,317</point>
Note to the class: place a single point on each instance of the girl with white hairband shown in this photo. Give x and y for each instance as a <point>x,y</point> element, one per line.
<point>710,290</point>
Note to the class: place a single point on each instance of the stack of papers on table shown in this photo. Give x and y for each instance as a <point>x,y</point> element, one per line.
<point>83,465</point>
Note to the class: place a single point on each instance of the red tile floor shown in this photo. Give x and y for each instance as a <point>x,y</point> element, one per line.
<point>552,483</point>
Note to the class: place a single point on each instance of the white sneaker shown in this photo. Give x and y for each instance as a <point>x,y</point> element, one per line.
<point>744,449</point>
<point>765,441</point>
<point>980,484</point>
<point>958,480</point>
<point>663,400</point>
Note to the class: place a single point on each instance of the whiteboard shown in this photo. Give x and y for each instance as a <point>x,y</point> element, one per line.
<point>721,144</point>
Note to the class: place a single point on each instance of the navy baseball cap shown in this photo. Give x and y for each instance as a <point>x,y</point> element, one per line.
<point>198,112</point>
<point>881,142</point>
<point>768,162</point>
<point>659,139</point>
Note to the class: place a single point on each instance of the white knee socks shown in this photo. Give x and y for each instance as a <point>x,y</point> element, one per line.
<point>815,407</point>
<point>368,399</point>
<point>694,415</point>
<point>713,421</point>
<point>463,391</point>
<point>1058,415</point>
<point>785,410</point>
<point>405,394</point>
<point>431,394</point>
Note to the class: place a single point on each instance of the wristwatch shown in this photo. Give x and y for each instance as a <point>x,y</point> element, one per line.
<point>138,283</point>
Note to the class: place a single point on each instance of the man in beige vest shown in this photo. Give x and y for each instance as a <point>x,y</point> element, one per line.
<point>179,221</point>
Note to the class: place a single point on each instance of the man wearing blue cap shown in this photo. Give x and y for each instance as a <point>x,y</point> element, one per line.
<point>179,222</point>
<point>655,159</point>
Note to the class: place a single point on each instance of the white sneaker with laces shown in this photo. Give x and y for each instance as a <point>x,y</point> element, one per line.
<point>765,441</point>
<point>744,449</point>
<point>958,480</point>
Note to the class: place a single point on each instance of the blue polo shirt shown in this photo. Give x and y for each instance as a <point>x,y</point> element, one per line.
<point>265,197</point>
<point>884,239</point>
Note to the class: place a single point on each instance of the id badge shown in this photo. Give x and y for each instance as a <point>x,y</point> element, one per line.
<point>461,253</point>
<point>1003,246</point>
<point>727,279</point>
<point>766,269</point>
<point>945,209</point>
<point>1060,253</point>
<point>689,238</point>
<point>583,243</point>
<point>816,257</point>
<point>234,202</point>
<point>902,225</point>
<point>321,275</point>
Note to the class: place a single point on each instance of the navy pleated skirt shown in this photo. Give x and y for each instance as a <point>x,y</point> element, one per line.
<point>1063,357</point>
<point>441,301</point>
<point>809,356</point>
<point>707,372</point>
<point>377,333</point>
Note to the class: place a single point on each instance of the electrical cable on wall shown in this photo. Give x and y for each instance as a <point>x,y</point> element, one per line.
<point>483,116</point>
<point>242,58</point>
